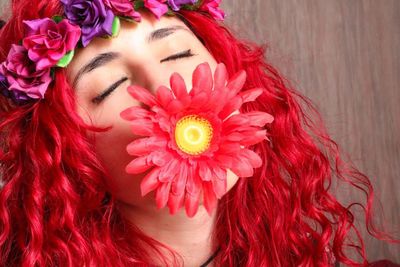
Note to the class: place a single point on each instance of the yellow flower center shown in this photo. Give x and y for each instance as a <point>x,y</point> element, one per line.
<point>193,134</point>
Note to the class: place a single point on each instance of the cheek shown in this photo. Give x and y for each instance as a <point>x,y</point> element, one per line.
<point>111,149</point>
<point>110,146</point>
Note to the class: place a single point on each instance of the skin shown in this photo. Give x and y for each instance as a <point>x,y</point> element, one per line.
<point>143,62</point>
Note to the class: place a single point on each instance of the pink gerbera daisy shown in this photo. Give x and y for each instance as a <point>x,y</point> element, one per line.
<point>191,139</point>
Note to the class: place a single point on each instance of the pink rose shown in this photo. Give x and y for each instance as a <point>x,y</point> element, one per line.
<point>212,7</point>
<point>123,8</point>
<point>157,7</point>
<point>24,79</point>
<point>47,41</point>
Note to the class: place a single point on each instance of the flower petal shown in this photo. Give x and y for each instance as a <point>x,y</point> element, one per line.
<point>193,184</point>
<point>150,182</point>
<point>233,104</point>
<point>224,161</point>
<point>179,183</point>
<point>234,137</point>
<point>143,146</point>
<point>192,203</point>
<point>236,83</point>
<point>242,167</point>
<point>175,106</point>
<point>143,127</point>
<point>169,171</point>
<point>252,156</point>
<point>178,86</point>
<point>235,121</point>
<point>175,202</point>
<point>229,148</point>
<point>220,76</point>
<point>135,112</point>
<point>164,96</point>
<point>219,173</point>
<point>210,199</point>
<point>202,79</point>
<point>138,165</point>
<point>216,100</point>
<point>199,100</point>
<point>204,171</point>
<point>251,94</point>
<point>219,181</point>
<point>159,158</point>
<point>253,137</point>
<point>142,95</point>
<point>259,118</point>
<point>162,195</point>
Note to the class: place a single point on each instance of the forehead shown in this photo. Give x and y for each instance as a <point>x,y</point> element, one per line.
<point>133,36</point>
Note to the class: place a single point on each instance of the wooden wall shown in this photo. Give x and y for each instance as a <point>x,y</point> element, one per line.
<point>345,56</point>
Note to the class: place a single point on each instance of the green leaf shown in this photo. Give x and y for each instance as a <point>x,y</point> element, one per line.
<point>57,18</point>
<point>52,73</point>
<point>128,19</point>
<point>170,13</point>
<point>66,59</point>
<point>116,25</point>
<point>192,7</point>
<point>138,4</point>
<point>199,3</point>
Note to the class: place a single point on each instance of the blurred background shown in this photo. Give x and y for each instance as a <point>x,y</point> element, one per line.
<point>345,56</point>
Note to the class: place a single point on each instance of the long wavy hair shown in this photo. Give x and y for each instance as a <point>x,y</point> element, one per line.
<point>56,210</point>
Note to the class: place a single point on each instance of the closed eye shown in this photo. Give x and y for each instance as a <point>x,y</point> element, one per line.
<point>186,53</point>
<point>108,91</point>
<point>98,99</point>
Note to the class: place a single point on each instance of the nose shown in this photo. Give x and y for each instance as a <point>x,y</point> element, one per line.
<point>156,74</point>
<point>149,72</point>
<point>153,74</point>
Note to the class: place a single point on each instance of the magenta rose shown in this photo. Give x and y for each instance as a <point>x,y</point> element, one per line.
<point>24,80</point>
<point>157,7</point>
<point>123,8</point>
<point>47,41</point>
<point>212,7</point>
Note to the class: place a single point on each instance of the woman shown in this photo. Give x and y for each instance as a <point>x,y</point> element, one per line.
<point>103,166</point>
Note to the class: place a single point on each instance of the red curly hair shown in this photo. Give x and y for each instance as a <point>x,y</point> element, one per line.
<point>56,210</point>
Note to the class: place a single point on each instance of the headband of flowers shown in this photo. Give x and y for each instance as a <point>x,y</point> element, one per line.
<point>50,42</point>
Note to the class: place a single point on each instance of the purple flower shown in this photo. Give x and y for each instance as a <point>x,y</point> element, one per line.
<point>3,81</point>
<point>177,4</point>
<point>94,18</point>
<point>4,85</point>
<point>123,8</point>
<point>24,81</point>
<point>47,42</point>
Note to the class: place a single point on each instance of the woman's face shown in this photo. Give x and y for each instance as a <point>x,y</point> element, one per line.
<point>145,54</point>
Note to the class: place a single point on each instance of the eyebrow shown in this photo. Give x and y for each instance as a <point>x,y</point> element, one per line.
<point>164,32</point>
<point>104,58</point>
<point>97,61</point>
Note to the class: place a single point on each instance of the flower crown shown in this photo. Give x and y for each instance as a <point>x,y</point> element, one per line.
<point>48,43</point>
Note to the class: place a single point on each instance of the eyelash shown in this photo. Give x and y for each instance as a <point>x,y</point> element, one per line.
<point>109,90</point>
<point>186,53</point>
